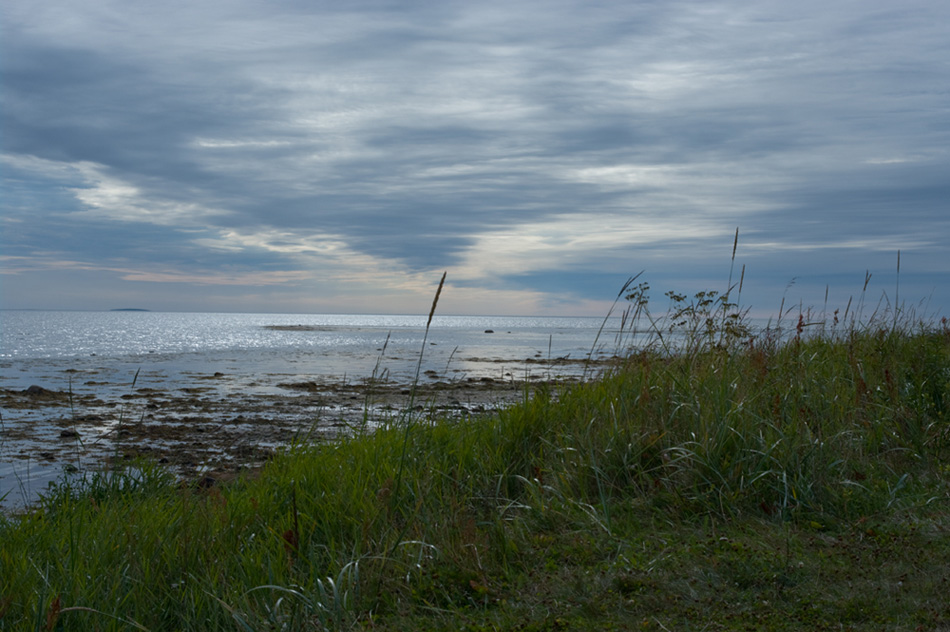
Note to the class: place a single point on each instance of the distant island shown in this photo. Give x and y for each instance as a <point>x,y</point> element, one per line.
<point>129,309</point>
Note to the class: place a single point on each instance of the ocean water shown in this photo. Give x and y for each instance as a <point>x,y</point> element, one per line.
<point>47,346</point>
<point>102,353</point>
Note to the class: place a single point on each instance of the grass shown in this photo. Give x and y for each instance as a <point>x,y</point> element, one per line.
<point>716,479</point>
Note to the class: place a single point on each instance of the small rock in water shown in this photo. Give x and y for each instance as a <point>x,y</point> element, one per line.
<point>489,331</point>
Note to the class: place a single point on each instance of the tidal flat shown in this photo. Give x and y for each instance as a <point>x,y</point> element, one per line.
<point>218,424</point>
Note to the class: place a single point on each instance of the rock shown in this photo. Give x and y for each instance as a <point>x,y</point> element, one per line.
<point>489,331</point>
<point>40,394</point>
<point>206,481</point>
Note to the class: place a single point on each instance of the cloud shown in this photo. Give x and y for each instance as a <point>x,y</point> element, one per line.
<point>579,241</point>
<point>370,145</point>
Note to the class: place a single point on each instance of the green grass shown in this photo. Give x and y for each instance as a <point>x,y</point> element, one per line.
<point>714,480</point>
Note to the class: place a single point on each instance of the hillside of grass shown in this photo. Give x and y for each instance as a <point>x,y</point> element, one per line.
<point>715,479</point>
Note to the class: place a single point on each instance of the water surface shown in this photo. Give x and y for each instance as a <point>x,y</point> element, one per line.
<point>101,354</point>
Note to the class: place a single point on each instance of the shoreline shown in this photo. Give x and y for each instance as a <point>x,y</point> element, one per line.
<point>213,426</point>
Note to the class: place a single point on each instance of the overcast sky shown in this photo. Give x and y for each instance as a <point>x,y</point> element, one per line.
<point>318,156</point>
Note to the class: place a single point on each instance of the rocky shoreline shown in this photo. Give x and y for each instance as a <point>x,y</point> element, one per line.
<point>205,428</point>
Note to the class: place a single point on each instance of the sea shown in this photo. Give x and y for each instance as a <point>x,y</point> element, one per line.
<point>60,350</point>
<point>47,347</point>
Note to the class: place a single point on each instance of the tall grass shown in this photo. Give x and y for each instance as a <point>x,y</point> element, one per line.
<point>704,419</point>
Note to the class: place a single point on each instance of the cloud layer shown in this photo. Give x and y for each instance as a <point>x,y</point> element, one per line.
<point>314,156</point>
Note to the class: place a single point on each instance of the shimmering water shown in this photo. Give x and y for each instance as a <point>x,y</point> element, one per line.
<point>38,345</point>
<point>100,353</point>
<point>40,334</point>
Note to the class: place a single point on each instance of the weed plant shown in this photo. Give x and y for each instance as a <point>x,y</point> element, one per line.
<point>715,478</point>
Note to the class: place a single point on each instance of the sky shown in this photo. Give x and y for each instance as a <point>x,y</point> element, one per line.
<point>309,156</point>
